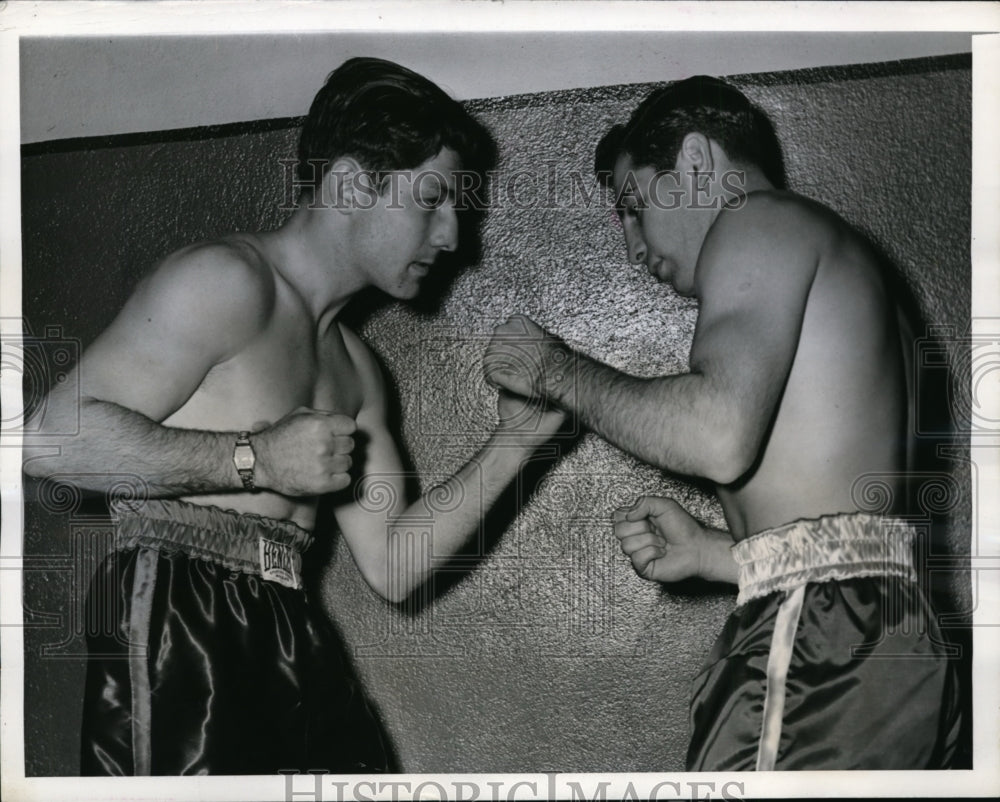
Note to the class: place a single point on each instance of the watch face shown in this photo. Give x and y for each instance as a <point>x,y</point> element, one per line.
<point>243,457</point>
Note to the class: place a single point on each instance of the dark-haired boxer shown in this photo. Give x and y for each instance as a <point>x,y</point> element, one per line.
<point>230,387</point>
<point>797,390</point>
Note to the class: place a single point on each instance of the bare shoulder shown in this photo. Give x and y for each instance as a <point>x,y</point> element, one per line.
<point>774,218</point>
<point>772,236</point>
<point>222,271</point>
<point>224,288</point>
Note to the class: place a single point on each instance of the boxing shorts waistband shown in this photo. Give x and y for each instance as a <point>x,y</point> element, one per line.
<point>832,547</point>
<point>245,542</point>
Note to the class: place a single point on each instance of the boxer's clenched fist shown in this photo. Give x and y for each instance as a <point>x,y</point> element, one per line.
<point>306,453</point>
<point>661,539</point>
<point>525,359</point>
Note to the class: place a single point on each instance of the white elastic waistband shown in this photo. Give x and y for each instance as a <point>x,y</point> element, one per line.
<point>832,547</point>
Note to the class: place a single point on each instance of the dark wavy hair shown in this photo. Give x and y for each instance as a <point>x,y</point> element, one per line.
<point>653,135</point>
<point>387,117</point>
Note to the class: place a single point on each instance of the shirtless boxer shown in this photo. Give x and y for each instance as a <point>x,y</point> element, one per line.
<point>796,391</point>
<point>228,385</point>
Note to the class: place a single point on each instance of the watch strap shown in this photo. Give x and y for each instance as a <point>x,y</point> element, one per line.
<point>246,474</point>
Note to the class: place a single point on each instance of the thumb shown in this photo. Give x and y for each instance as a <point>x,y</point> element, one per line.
<point>647,507</point>
<point>341,425</point>
<point>335,422</point>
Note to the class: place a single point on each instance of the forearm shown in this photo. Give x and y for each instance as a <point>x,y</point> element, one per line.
<point>113,441</point>
<point>445,519</point>
<point>672,422</point>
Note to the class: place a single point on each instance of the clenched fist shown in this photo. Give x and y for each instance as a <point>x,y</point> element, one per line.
<point>525,359</point>
<point>661,539</point>
<point>306,453</point>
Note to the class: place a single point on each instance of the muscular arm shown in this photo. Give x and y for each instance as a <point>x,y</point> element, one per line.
<point>115,441</point>
<point>752,281</point>
<point>192,313</point>
<point>376,524</point>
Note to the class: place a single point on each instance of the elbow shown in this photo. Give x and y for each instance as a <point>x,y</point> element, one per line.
<point>731,451</point>
<point>396,598</point>
<point>390,589</point>
<point>32,466</point>
<point>49,433</point>
<point>392,593</point>
<point>37,463</point>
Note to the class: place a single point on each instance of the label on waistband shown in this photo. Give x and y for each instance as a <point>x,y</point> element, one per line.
<point>280,563</point>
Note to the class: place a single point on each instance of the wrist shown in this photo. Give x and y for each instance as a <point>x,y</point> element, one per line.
<point>715,560</point>
<point>512,442</point>
<point>262,446</point>
<point>560,376</point>
<point>704,561</point>
<point>244,460</point>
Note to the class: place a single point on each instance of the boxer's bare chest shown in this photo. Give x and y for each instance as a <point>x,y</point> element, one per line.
<point>288,366</point>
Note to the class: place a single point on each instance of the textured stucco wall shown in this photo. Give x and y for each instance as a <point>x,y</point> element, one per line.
<point>552,654</point>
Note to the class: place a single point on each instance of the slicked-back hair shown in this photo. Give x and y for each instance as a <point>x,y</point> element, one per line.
<point>653,135</point>
<point>387,118</point>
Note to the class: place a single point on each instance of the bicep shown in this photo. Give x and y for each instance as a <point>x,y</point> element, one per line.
<point>190,314</point>
<point>380,488</point>
<point>753,289</point>
<point>144,368</point>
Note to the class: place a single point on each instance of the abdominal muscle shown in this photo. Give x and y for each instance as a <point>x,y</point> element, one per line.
<point>818,478</point>
<point>235,400</point>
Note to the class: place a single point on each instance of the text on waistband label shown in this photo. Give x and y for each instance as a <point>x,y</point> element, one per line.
<point>280,563</point>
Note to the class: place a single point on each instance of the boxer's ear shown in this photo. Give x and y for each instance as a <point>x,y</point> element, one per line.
<point>350,186</point>
<point>695,154</point>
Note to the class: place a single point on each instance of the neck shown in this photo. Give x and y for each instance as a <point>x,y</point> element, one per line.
<point>317,270</point>
<point>722,191</point>
<point>751,177</point>
<point>754,179</point>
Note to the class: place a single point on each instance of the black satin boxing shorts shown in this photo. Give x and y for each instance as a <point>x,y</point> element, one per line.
<point>833,658</point>
<point>211,658</point>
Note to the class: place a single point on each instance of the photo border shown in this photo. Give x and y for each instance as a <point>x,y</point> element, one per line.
<point>23,19</point>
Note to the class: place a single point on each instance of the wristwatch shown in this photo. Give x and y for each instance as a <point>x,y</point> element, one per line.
<point>244,459</point>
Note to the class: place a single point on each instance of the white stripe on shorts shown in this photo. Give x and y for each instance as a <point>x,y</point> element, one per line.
<point>782,643</point>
